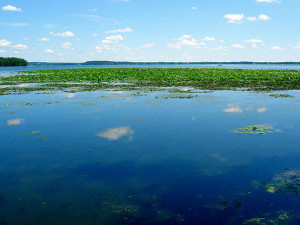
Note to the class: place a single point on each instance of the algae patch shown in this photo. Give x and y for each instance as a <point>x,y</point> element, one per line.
<point>287,181</point>
<point>280,217</point>
<point>281,96</point>
<point>256,129</point>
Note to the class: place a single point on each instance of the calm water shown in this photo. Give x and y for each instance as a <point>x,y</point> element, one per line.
<point>110,157</point>
<point>8,71</point>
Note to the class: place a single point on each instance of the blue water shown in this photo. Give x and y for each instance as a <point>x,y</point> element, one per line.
<point>7,71</point>
<point>111,157</point>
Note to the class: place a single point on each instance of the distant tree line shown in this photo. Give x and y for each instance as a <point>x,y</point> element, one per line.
<point>12,61</point>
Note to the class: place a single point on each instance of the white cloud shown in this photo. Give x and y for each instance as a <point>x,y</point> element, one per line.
<point>2,51</point>
<point>115,134</point>
<point>11,8</point>
<point>173,46</point>
<point>125,30</point>
<point>237,46</point>
<point>218,48</point>
<point>251,18</point>
<point>186,40</point>
<point>277,48</point>
<point>66,45</point>
<point>268,1</point>
<point>94,35</point>
<point>234,18</point>
<point>263,17</point>
<point>209,39</point>
<point>113,39</point>
<point>194,8</point>
<point>65,34</point>
<point>93,10</point>
<point>254,41</point>
<point>4,43</point>
<point>111,43</point>
<point>15,24</point>
<point>7,44</point>
<point>296,47</point>
<point>150,45</point>
<point>20,47</point>
<point>15,122</point>
<point>238,18</point>
<point>43,39</point>
<point>231,108</point>
<point>96,19</point>
<point>49,51</point>
<point>186,36</point>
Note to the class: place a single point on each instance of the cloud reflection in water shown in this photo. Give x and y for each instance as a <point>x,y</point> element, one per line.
<point>15,122</point>
<point>231,108</point>
<point>114,134</point>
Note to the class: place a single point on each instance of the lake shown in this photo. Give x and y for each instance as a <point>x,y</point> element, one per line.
<point>127,157</point>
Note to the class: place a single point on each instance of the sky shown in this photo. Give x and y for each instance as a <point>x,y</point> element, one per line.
<point>150,30</point>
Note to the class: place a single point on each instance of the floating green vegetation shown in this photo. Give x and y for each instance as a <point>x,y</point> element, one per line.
<point>36,132</point>
<point>281,96</point>
<point>180,91</point>
<point>257,129</point>
<point>88,103</point>
<point>177,96</point>
<point>204,78</point>
<point>281,217</point>
<point>50,103</point>
<point>43,138</point>
<point>138,93</point>
<point>287,181</point>
<point>27,104</point>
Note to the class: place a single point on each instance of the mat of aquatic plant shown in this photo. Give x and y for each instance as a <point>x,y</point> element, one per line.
<point>207,78</point>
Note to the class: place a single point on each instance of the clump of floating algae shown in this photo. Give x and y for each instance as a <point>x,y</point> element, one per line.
<point>281,96</point>
<point>281,217</point>
<point>287,181</point>
<point>256,129</point>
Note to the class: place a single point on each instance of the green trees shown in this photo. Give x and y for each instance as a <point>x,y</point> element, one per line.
<point>12,61</point>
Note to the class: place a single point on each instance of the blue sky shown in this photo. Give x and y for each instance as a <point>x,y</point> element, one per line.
<point>150,30</point>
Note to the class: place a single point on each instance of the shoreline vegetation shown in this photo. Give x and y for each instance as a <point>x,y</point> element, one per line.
<point>90,79</point>
<point>12,61</point>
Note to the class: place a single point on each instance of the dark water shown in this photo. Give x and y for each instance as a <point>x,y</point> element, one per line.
<point>8,71</point>
<point>110,157</point>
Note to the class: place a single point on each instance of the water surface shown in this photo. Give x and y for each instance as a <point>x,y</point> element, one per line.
<point>120,157</point>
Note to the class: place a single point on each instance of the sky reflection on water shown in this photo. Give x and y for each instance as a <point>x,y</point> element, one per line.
<point>110,157</point>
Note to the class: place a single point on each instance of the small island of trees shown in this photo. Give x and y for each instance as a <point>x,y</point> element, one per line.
<point>12,61</point>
